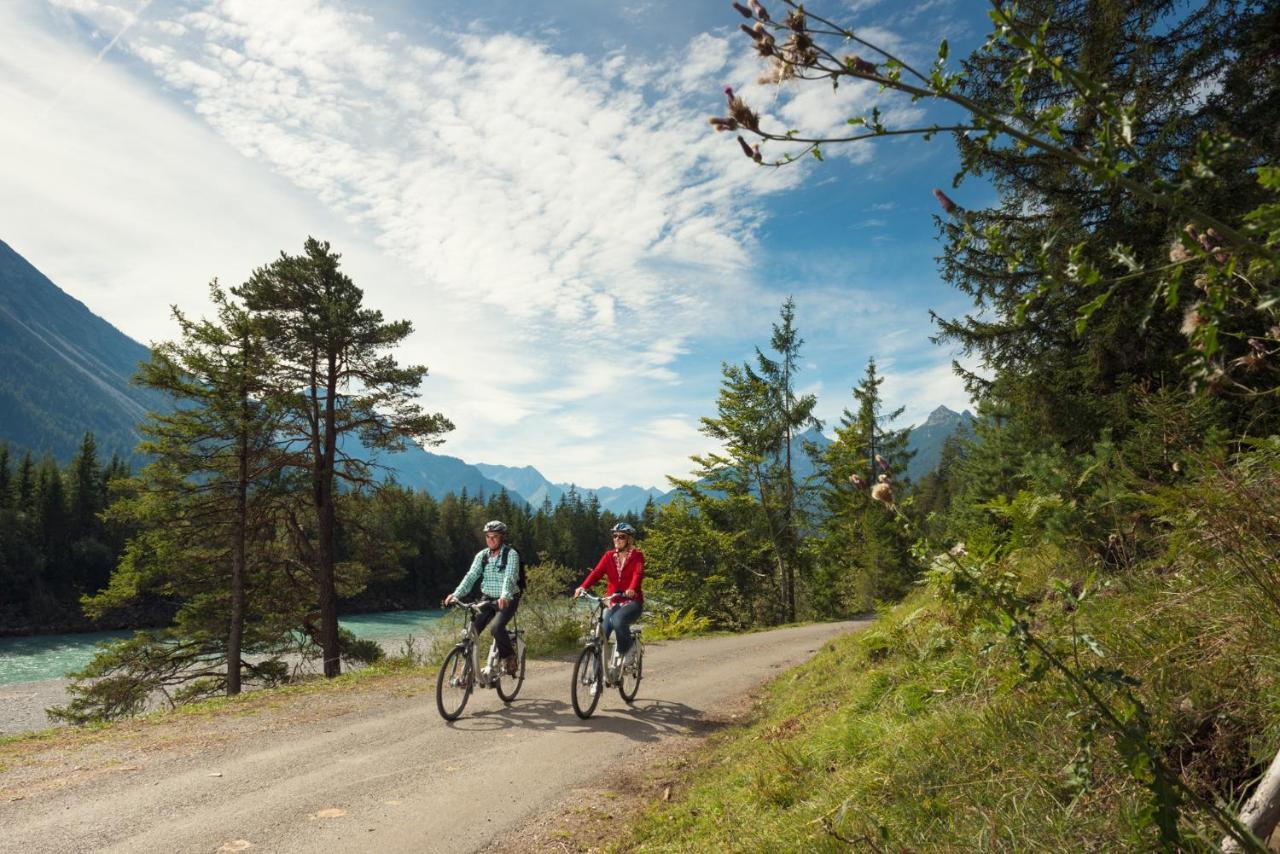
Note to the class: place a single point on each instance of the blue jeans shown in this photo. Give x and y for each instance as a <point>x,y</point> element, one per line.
<point>619,618</point>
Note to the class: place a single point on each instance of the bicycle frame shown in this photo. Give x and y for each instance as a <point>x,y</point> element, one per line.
<point>488,676</point>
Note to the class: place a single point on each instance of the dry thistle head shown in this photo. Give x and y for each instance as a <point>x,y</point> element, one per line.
<point>721,124</point>
<point>883,463</point>
<point>778,72</point>
<point>958,550</point>
<point>1192,320</point>
<point>1177,252</point>
<point>741,113</point>
<point>795,21</point>
<point>948,206</point>
<point>883,493</point>
<point>858,65</point>
<point>758,8</point>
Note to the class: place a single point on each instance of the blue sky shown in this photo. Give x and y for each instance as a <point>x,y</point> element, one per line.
<point>534,185</point>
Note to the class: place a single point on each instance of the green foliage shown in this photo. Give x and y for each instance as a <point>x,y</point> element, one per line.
<point>672,623</point>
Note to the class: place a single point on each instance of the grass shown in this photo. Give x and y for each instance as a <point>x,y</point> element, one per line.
<point>918,734</point>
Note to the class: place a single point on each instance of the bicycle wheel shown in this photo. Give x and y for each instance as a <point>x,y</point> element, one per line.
<point>629,678</point>
<point>453,685</point>
<point>588,682</point>
<point>508,686</point>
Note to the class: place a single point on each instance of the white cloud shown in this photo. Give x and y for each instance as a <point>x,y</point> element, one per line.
<point>561,229</point>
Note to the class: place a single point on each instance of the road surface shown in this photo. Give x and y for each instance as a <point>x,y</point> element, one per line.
<point>372,770</point>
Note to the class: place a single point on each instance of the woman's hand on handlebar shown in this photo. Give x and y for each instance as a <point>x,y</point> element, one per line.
<point>578,592</point>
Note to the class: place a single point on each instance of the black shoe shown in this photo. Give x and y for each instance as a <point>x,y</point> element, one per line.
<point>512,664</point>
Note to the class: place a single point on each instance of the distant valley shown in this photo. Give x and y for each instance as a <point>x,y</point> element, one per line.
<point>68,371</point>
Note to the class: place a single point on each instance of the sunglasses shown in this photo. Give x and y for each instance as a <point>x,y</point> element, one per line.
<point>619,536</point>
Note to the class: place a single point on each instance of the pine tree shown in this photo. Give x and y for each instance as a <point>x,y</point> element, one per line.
<point>207,506</point>
<point>337,382</point>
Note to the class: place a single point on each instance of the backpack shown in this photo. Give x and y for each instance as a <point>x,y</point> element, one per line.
<point>521,581</point>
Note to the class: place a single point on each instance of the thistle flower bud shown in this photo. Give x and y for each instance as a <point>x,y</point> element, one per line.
<point>751,31</point>
<point>883,493</point>
<point>721,124</point>
<point>752,151</point>
<point>948,206</point>
<point>759,9</point>
<point>1257,345</point>
<point>795,21</point>
<point>728,94</point>
<point>856,481</point>
<point>742,10</point>
<point>1201,282</point>
<point>858,65</point>
<point>880,461</point>
<point>1177,252</point>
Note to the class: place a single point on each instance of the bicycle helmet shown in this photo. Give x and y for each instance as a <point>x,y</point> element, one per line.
<point>495,525</point>
<point>623,528</point>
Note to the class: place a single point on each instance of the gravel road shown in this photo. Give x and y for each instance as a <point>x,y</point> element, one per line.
<point>372,769</point>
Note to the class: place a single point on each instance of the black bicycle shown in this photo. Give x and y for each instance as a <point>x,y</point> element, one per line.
<point>591,675</point>
<point>461,673</point>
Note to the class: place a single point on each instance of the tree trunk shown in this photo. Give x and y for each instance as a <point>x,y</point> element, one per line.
<point>326,518</point>
<point>1262,811</point>
<point>235,635</point>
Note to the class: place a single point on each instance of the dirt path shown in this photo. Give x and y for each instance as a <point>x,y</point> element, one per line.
<point>373,769</point>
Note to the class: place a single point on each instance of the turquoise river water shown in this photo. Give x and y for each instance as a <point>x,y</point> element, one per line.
<point>28,659</point>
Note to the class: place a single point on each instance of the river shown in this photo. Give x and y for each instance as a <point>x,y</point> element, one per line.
<point>41,657</point>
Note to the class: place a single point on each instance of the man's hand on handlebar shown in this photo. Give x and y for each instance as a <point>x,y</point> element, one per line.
<point>450,599</point>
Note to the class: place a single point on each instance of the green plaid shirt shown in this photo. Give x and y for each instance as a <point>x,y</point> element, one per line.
<point>493,581</point>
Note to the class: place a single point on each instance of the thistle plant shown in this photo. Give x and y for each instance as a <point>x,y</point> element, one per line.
<point>1223,276</point>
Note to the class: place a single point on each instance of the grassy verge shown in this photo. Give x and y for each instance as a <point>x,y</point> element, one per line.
<point>920,734</point>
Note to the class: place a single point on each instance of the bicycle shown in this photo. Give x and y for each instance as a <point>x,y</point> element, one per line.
<point>460,673</point>
<point>591,676</point>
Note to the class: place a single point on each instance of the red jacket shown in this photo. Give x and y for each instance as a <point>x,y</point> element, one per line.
<point>630,578</point>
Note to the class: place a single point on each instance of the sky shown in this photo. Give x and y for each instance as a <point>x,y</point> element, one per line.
<point>533,184</point>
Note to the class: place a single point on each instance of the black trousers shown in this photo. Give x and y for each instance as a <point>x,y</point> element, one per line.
<point>500,633</point>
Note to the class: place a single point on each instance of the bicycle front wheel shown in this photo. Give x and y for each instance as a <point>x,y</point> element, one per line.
<point>509,686</point>
<point>453,685</point>
<point>588,682</point>
<point>629,678</point>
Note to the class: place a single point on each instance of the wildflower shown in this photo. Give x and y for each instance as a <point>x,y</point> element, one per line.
<point>883,493</point>
<point>722,124</point>
<point>1177,252</point>
<point>1192,321</point>
<point>795,21</point>
<point>882,462</point>
<point>858,65</point>
<point>1202,282</point>
<point>742,10</point>
<point>758,8</point>
<point>728,95</point>
<point>948,206</point>
<point>958,550</point>
<point>856,481</point>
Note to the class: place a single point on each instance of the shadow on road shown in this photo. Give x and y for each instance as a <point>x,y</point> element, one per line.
<point>648,720</point>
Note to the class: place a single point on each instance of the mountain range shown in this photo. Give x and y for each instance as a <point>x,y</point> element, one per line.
<point>68,371</point>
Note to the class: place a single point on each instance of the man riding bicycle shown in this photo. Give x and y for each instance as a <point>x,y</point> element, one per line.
<point>623,565</point>
<point>497,566</point>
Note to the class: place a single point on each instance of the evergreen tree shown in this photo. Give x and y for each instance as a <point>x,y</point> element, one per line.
<point>862,554</point>
<point>337,382</point>
<point>207,506</point>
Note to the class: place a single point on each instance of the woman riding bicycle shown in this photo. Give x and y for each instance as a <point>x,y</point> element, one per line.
<point>498,568</point>
<point>623,566</point>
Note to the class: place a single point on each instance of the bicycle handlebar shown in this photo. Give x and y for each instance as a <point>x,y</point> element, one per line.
<point>599,599</point>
